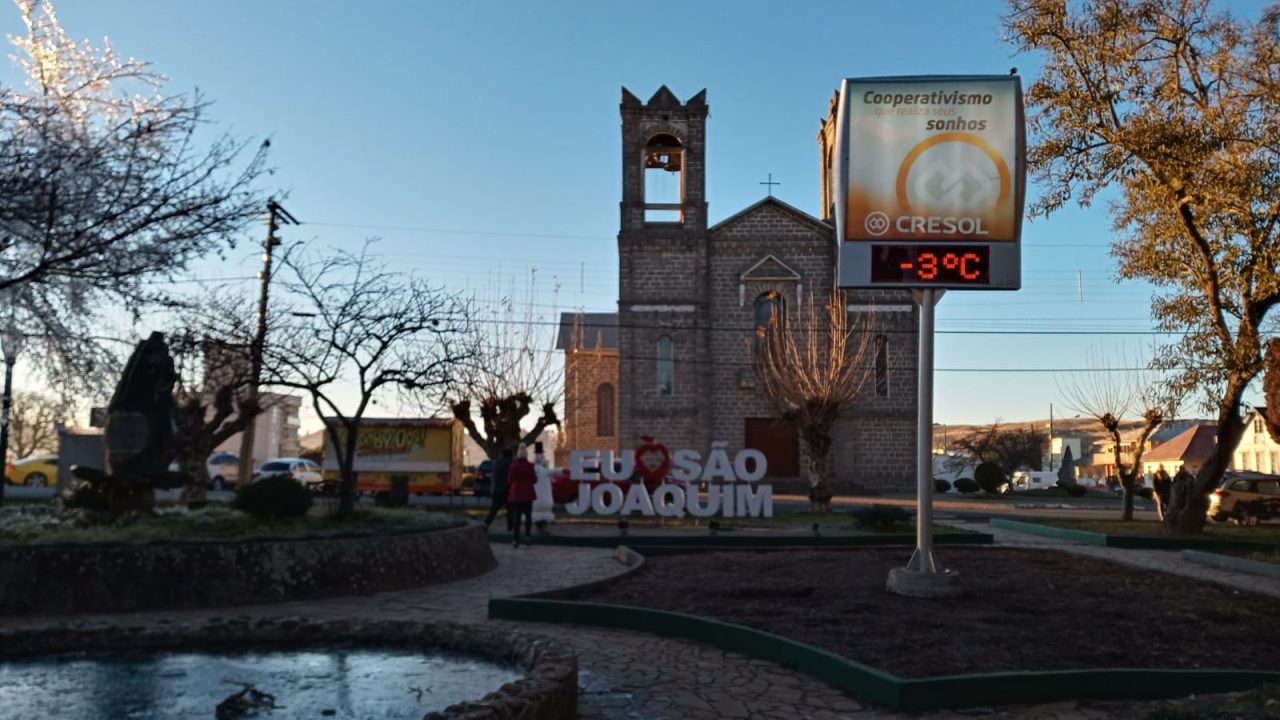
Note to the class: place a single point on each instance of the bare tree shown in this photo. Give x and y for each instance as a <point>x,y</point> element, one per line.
<point>104,189</point>
<point>212,394</point>
<point>1010,448</point>
<point>33,423</point>
<point>1177,109</point>
<point>512,371</point>
<point>1108,394</point>
<point>350,330</point>
<point>810,365</point>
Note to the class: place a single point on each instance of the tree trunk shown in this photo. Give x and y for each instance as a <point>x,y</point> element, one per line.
<point>1128,482</point>
<point>1189,500</point>
<point>346,487</point>
<point>818,443</point>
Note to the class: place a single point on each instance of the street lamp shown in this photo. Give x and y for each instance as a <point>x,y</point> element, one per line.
<point>12,339</point>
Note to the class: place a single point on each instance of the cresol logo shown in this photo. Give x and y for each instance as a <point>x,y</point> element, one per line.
<point>671,482</point>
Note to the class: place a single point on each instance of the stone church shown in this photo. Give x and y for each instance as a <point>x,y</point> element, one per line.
<point>675,361</point>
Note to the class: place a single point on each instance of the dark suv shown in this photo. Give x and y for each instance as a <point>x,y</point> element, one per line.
<point>482,481</point>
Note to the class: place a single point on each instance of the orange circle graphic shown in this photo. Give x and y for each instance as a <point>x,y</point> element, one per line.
<point>1006,184</point>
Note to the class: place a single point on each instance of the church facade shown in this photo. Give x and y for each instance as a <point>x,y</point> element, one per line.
<point>675,362</point>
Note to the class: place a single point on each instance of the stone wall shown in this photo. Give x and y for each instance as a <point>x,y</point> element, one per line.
<point>56,579</point>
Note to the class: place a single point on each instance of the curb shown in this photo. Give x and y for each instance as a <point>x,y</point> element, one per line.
<point>730,541</point>
<point>1227,562</point>
<point>878,686</point>
<point>1128,542</point>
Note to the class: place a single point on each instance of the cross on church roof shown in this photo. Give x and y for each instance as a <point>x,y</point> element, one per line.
<point>770,183</point>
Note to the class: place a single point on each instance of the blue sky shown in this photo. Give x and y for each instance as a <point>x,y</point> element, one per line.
<point>480,139</point>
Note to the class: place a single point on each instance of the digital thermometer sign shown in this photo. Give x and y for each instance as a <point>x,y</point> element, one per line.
<point>951,265</point>
<point>928,182</point>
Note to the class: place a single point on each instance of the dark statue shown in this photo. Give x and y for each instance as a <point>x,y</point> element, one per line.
<point>138,436</point>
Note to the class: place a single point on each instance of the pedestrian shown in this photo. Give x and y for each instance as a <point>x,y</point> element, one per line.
<point>1161,484</point>
<point>522,477</point>
<point>499,489</point>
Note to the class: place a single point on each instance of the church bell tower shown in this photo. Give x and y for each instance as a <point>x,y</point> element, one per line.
<point>664,272</point>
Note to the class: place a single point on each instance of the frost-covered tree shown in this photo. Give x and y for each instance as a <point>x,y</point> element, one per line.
<point>108,187</point>
<point>1176,108</point>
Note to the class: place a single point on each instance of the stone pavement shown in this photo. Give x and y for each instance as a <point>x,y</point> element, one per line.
<point>638,675</point>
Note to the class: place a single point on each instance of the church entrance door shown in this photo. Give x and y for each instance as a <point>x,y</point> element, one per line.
<point>779,442</point>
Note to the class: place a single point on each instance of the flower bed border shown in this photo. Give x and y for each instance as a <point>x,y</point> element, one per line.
<point>865,681</point>
<point>1131,542</point>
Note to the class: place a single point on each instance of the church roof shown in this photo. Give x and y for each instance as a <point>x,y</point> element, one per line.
<point>774,204</point>
<point>589,331</point>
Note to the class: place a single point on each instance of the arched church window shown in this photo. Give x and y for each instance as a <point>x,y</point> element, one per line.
<point>666,365</point>
<point>663,179</point>
<point>605,411</point>
<point>882,366</point>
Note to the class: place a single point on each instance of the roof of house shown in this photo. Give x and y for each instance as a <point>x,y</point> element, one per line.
<point>589,331</point>
<point>1195,444</point>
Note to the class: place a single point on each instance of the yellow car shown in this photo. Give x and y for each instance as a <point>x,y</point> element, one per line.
<point>36,471</point>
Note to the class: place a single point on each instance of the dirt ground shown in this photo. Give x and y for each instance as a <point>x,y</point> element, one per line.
<point>1021,610</point>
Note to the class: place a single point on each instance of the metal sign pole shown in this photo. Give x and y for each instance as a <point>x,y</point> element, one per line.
<point>923,576</point>
<point>923,561</point>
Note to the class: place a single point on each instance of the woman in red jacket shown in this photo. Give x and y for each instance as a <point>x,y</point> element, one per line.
<point>522,478</point>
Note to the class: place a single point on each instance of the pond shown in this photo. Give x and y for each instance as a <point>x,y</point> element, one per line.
<point>323,683</point>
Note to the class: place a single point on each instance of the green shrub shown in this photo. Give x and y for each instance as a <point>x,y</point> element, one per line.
<point>880,516</point>
<point>273,498</point>
<point>1075,489</point>
<point>990,477</point>
<point>967,485</point>
<point>941,486</point>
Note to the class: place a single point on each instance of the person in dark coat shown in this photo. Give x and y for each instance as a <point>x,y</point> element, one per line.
<point>522,477</point>
<point>498,488</point>
<point>1161,484</point>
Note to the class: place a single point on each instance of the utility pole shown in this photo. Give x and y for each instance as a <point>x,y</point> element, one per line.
<point>276,216</point>
<point>1050,437</point>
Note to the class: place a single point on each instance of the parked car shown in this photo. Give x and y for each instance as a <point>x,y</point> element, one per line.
<point>482,480</point>
<point>224,470</point>
<point>35,471</point>
<point>1247,498</point>
<point>303,470</point>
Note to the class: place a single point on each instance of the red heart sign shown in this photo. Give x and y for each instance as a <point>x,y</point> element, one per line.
<point>652,460</point>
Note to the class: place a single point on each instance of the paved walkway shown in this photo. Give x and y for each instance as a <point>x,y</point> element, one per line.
<point>643,676</point>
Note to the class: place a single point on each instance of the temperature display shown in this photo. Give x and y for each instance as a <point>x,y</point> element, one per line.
<point>931,264</point>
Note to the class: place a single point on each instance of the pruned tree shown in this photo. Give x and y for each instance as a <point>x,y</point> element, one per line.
<point>33,421</point>
<point>512,371</point>
<point>810,365</point>
<point>350,331</point>
<point>104,188</point>
<point>1177,108</point>
<point>1011,448</point>
<point>1109,394</point>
